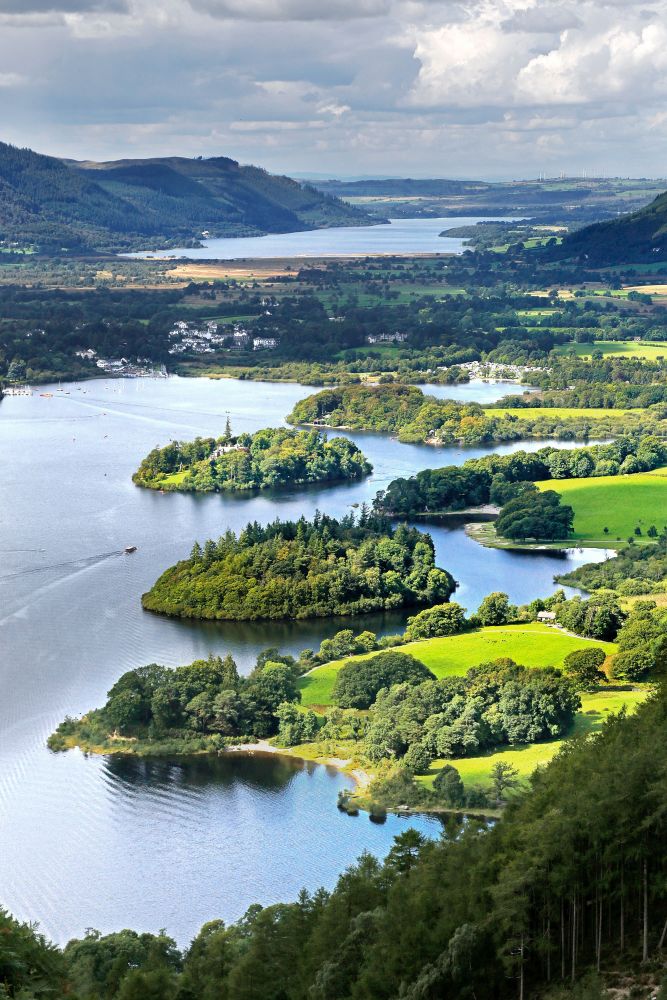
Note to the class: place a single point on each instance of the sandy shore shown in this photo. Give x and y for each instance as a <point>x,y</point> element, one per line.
<point>361,778</point>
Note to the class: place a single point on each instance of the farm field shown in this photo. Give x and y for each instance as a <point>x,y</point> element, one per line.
<point>530,412</point>
<point>618,348</point>
<point>618,503</point>
<point>595,710</point>
<point>532,645</point>
<point>660,290</point>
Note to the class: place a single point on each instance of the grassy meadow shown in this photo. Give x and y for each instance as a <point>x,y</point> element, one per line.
<point>595,710</point>
<point>618,348</point>
<point>531,412</point>
<point>532,645</point>
<point>618,503</point>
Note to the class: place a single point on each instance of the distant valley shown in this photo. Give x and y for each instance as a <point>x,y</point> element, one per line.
<point>55,205</point>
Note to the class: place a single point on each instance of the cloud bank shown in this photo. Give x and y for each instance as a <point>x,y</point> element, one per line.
<point>420,87</point>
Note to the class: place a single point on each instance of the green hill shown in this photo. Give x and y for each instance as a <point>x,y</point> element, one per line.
<point>635,238</point>
<point>56,204</point>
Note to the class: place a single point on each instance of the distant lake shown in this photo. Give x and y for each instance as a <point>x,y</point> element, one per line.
<point>400,236</point>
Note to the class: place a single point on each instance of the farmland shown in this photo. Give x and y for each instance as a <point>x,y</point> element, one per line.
<point>595,710</point>
<point>618,348</point>
<point>532,645</point>
<point>618,503</point>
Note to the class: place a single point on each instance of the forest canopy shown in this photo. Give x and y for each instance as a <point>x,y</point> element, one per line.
<point>304,569</point>
<point>269,458</point>
<point>571,879</point>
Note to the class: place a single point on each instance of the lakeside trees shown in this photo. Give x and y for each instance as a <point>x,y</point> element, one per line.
<point>414,417</point>
<point>192,707</point>
<point>302,569</point>
<point>570,881</point>
<point>498,479</point>
<point>270,458</point>
<point>535,515</point>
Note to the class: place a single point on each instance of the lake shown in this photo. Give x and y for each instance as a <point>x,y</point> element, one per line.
<point>399,236</point>
<point>110,842</point>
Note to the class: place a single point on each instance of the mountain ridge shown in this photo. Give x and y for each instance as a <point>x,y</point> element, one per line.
<point>637,237</point>
<point>85,206</point>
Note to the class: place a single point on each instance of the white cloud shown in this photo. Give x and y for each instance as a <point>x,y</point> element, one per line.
<point>477,87</point>
<point>621,61</point>
<point>11,79</point>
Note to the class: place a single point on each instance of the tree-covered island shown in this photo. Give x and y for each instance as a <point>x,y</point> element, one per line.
<point>461,694</point>
<point>270,458</point>
<point>404,410</point>
<point>304,569</point>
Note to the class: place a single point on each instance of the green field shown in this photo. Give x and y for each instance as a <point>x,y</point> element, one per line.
<point>627,348</point>
<point>531,645</point>
<point>531,412</point>
<point>595,710</point>
<point>619,503</point>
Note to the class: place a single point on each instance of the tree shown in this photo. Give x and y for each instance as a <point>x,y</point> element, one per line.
<point>403,855</point>
<point>264,691</point>
<point>295,726</point>
<point>417,758</point>
<point>359,681</point>
<point>124,711</point>
<point>583,666</point>
<point>634,664</point>
<point>504,777</point>
<point>449,786</point>
<point>495,609</point>
<point>441,620</point>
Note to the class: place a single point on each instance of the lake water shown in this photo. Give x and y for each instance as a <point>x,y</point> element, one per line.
<point>399,236</point>
<point>114,842</point>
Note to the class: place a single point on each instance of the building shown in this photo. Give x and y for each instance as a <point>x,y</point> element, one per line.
<point>547,617</point>
<point>264,343</point>
<point>386,338</point>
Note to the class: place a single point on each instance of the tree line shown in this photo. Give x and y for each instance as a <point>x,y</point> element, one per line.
<point>497,479</point>
<point>569,884</point>
<point>302,569</point>
<point>269,458</point>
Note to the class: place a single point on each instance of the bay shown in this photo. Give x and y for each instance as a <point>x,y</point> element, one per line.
<point>398,236</point>
<point>111,842</point>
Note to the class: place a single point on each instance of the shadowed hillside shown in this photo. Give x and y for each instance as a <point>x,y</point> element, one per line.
<point>58,205</point>
<point>638,237</point>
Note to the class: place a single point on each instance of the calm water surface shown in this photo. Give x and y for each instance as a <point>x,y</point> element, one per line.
<point>400,236</point>
<point>110,842</point>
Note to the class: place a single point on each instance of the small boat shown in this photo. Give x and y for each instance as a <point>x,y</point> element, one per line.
<point>129,549</point>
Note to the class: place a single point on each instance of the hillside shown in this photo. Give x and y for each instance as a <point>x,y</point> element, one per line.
<point>570,201</point>
<point>57,204</point>
<point>634,238</point>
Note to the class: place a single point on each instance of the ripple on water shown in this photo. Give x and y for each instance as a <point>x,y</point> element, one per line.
<point>123,841</point>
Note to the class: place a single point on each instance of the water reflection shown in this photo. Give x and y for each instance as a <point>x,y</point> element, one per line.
<point>129,842</point>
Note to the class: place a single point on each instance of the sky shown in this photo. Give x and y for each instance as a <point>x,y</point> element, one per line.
<point>421,88</point>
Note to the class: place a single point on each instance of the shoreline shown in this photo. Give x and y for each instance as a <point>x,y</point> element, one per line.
<point>362,778</point>
<point>484,534</point>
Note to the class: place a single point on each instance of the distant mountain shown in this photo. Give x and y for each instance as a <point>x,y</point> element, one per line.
<point>635,238</point>
<point>59,204</point>
<point>403,186</point>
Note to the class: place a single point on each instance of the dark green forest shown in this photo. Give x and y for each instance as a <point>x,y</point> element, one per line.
<point>302,569</point>
<point>270,458</point>
<point>565,894</point>
<point>68,206</point>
